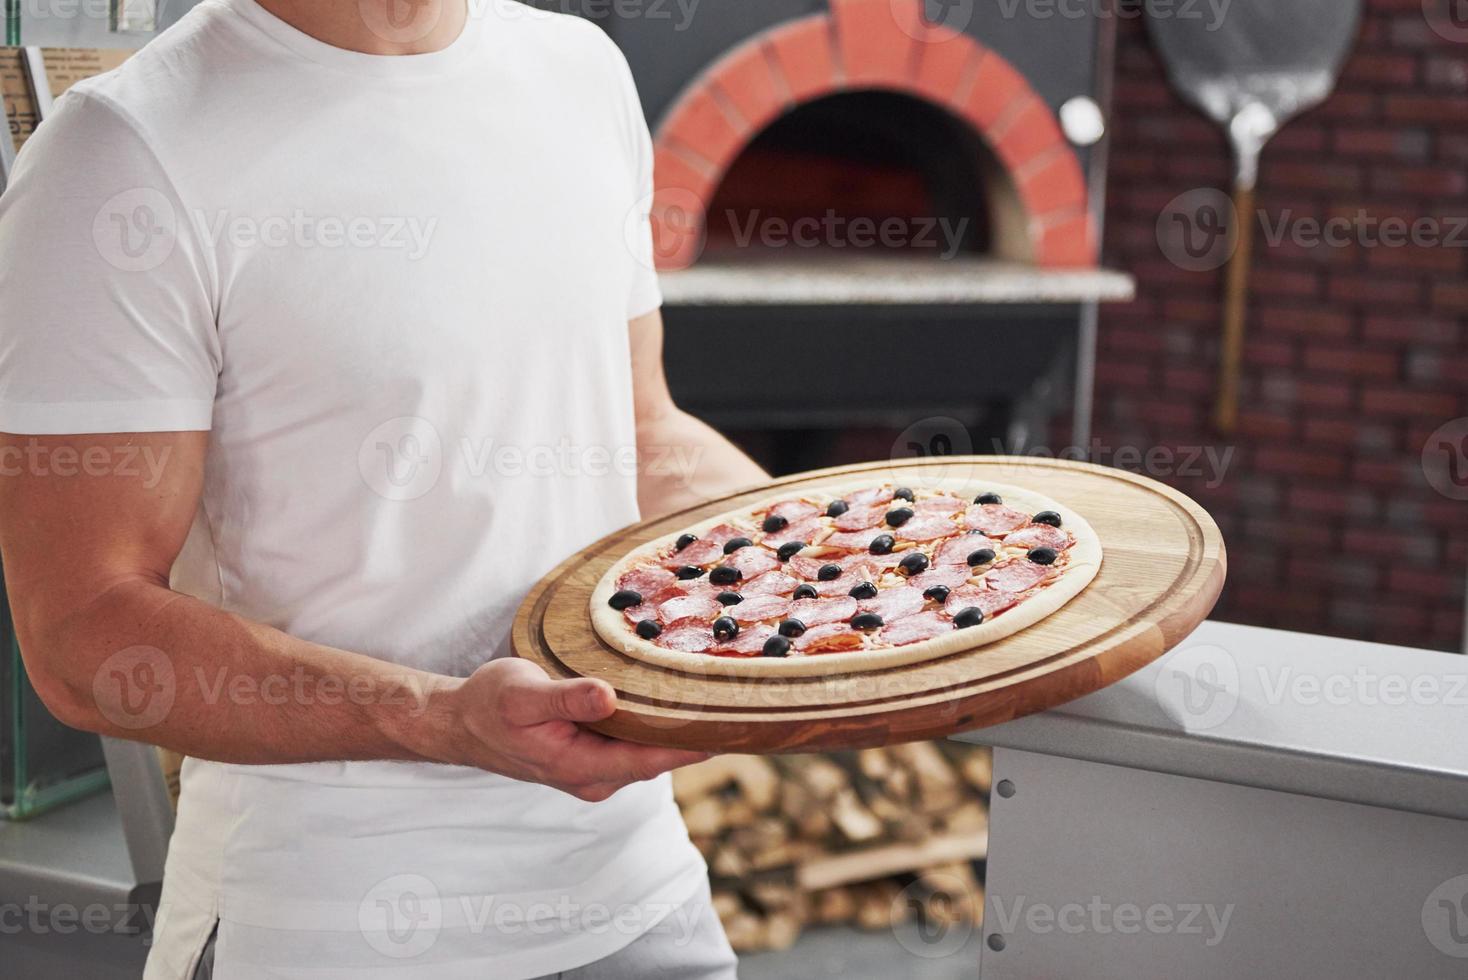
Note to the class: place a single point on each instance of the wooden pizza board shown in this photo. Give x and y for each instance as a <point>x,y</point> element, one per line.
<point>1162,571</point>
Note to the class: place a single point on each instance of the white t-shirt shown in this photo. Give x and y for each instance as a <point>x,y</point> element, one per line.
<point>396,291</point>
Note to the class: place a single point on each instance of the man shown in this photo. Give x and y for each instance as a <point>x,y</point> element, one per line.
<point>347,320</point>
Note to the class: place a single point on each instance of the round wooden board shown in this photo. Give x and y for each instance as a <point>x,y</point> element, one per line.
<point>1162,570</point>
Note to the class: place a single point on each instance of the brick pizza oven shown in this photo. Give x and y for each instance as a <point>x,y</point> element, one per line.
<point>949,116</point>
<point>1025,174</point>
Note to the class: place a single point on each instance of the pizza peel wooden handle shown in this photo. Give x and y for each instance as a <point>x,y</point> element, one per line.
<point>1235,310</point>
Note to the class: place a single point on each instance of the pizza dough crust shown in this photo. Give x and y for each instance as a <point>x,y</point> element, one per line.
<point>1084,562</point>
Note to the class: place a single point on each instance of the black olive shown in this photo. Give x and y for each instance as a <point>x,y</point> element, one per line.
<point>938,593</point>
<point>981,557</point>
<point>792,628</point>
<point>689,572</point>
<point>836,508</point>
<point>776,646</point>
<point>865,590</point>
<point>725,575</point>
<point>829,573</point>
<point>882,544</point>
<point>1043,556</point>
<point>972,616</point>
<point>899,517</point>
<point>734,544</point>
<point>1047,517</point>
<point>913,564</point>
<point>625,599</point>
<point>790,549</point>
<point>866,622</point>
<point>649,629</point>
<point>685,541</point>
<point>988,498</point>
<point>775,523</point>
<point>729,598</point>
<point>725,628</point>
<point>806,591</point>
<point>902,493</point>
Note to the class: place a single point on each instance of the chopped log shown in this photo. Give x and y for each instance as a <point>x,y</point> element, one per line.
<point>888,859</point>
<point>755,779</point>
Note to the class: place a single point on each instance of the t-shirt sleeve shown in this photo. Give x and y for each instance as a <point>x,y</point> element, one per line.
<point>109,321</point>
<point>645,295</point>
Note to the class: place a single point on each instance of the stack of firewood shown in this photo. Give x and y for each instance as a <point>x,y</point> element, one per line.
<point>868,838</point>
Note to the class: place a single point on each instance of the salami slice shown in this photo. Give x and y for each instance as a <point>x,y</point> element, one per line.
<point>688,638</point>
<point>794,510</point>
<point>956,551</point>
<point>636,614</point>
<point>914,629</point>
<point>700,552</point>
<point>818,612</point>
<point>749,643</point>
<point>755,609</point>
<point>752,562</point>
<point>948,576</point>
<point>942,506</point>
<point>995,518</point>
<point>700,607</point>
<point>991,602</point>
<point>830,638</point>
<point>1038,536</point>
<point>861,518</point>
<point>648,580</point>
<point>854,540</point>
<point>895,604</point>
<point>805,532</point>
<point>869,496</point>
<point>931,527</point>
<point>850,579</point>
<point>1017,576</point>
<point>770,583</point>
<point>725,533</point>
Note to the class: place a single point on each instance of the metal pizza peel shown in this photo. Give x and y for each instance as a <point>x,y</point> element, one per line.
<point>1252,68</point>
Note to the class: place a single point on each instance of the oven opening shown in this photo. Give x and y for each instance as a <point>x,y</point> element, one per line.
<point>866,174</point>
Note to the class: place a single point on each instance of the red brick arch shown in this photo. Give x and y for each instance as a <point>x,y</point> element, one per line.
<point>869,44</point>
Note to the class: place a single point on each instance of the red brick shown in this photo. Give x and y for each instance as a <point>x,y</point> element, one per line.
<point>1053,183</point>
<point>1449,111</point>
<point>996,86</point>
<point>805,50</point>
<point>700,124</point>
<point>747,80</point>
<point>872,46</point>
<point>1407,402</point>
<point>1293,461</point>
<point>1353,361</point>
<point>946,68</point>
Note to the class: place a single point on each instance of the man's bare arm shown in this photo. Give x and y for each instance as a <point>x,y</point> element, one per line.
<point>684,461</point>
<point>110,648</point>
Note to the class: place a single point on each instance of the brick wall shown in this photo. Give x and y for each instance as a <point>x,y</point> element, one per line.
<point>1356,353</point>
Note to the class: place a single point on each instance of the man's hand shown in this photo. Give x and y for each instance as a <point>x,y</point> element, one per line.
<point>524,725</point>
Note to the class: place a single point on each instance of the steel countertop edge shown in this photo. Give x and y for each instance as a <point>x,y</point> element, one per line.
<point>1337,719</point>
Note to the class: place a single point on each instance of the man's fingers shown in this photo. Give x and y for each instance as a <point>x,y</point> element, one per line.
<point>535,700</point>
<point>596,759</point>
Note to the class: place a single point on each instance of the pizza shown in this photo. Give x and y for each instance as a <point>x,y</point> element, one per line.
<point>850,576</point>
